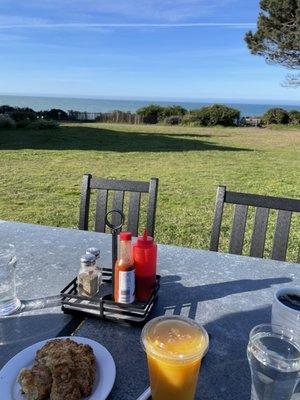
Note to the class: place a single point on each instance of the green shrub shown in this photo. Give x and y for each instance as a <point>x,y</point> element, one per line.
<point>6,121</point>
<point>193,118</point>
<point>174,111</point>
<point>5,109</point>
<point>23,114</point>
<point>152,113</point>
<point>54,113</point>
<point>23,123</point>
<point>276,116</point>
<point>213,115</point>
<point>173,120</point>
<point>218,114</point>
<point>40,124</point>
<point>294,117</point>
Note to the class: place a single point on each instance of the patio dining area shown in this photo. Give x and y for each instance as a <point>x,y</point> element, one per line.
<point>150,200</point>
<point>227,294</point>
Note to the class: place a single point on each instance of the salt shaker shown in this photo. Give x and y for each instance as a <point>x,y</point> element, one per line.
<point>96,253</point>
<point>88,276</point>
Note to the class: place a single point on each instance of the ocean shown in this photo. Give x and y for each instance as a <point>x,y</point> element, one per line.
<point>105,105</point>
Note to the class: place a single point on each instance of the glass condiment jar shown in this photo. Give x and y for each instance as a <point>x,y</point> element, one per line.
<point>87,278</point>
<point>96,253</point>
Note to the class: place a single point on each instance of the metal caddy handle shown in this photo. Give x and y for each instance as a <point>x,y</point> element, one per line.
<point>115,229</point>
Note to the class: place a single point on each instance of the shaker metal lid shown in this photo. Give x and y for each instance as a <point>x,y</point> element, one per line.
<point>94,251</point>
<point>88,259</point>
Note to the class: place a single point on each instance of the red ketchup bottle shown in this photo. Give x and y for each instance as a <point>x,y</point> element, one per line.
<point>144,254</point>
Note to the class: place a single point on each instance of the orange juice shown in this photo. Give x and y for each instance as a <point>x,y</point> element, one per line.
<point>175,347</point>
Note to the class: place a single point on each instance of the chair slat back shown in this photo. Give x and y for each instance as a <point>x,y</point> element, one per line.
<point>121,185</point>
<point>238,229</point>
<point>151,212</point>
<point>84,202</point>
<point>133,212</point>
<point>119,188</point>
<point>216,228</point>
<point>256,200</point>
<point>259,232</point>
<point>281,235</point>
<point>118,202</point>
<point>263,204</point>
<point>101,209</point>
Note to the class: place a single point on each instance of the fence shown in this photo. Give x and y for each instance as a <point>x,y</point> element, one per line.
<point>251,121</point>
<point>114,116</point>
<point>122,117</point>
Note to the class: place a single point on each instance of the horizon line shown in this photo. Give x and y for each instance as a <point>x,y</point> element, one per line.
<point>159,99</point>
<point>72,25</point>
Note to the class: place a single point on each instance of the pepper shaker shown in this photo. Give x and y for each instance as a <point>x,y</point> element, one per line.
<point>87,276</point>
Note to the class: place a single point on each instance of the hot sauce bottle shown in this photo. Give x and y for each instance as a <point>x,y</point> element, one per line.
<point>144,258</point>
<point>124,285</point>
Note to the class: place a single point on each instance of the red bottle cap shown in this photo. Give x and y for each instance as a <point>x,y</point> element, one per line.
<point>145,240</point>
<point>125,235</point>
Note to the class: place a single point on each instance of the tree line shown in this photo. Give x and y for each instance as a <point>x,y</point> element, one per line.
<point>211,115</point>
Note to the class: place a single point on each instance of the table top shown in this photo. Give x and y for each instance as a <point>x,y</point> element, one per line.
<point>48,259</point>
<point>228,294</point>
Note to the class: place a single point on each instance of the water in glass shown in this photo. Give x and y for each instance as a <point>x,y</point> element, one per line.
<point>9,303</point>
<point>274,359</point>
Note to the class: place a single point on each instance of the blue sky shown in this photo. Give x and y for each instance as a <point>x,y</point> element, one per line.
<point>181,49</point>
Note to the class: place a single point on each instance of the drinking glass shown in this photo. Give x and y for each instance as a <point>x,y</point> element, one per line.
<point>175,347</point>
<point>274,357</point>
<point>9,303</point>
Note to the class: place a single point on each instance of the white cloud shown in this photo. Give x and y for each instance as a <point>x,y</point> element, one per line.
<point>134,10</point>
<point>83,14</point>
<point>18,20</point>
<point>154,10</point>
<point>70,25</point>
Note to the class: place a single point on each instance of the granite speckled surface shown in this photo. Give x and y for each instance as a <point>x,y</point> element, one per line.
<point>48,259</point>
<point>227,294</point>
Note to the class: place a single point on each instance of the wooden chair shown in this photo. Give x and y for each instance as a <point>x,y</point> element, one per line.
<point>263,205</point>
<point>119,187</point>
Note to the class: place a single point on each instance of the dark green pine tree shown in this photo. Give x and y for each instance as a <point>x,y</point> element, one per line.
<point>277,37</point>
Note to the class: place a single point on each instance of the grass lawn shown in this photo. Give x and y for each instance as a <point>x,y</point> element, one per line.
<point>41,172</point>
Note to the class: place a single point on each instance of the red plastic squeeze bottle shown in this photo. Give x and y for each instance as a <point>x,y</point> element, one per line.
<point>144,254</point>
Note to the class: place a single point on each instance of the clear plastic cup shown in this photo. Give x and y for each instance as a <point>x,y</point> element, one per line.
<point>175,347</point>
<point>9,303</point>
<point>274,358</point>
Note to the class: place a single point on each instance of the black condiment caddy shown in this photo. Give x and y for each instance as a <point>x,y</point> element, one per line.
<point>102,304</point>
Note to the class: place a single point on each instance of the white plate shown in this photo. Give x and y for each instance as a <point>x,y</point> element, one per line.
<point>105,370</point>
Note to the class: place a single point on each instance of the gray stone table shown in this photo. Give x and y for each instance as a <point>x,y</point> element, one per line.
<point>227,294</point>
<point>48,259</point>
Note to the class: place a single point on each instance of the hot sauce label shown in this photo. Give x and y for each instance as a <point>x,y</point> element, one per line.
<point>126,286</point>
